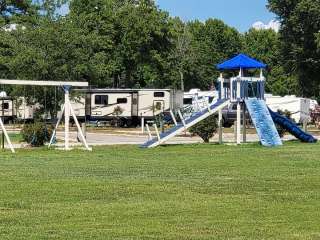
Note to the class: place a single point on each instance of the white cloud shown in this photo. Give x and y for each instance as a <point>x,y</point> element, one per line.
<point>273,24</point>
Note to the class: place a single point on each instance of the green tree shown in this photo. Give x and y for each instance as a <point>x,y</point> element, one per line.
<point>300,24</point>
<point>264,45</point>
<point>213,41</point>
<point>183,54</point>
<point>139,33</point>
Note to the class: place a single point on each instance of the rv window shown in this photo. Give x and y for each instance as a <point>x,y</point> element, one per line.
<point>101,100</point>
<point>234,107</point>
<point>122,100</point>
<point>5,105</point>
<point>158,94</point>
<point>211,99</point>
<point>187,101</point>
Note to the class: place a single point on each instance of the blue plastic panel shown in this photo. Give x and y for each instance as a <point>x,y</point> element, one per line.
<point>292,128</point>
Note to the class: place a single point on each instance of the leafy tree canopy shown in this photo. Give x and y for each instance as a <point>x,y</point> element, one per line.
<point>300,25</point>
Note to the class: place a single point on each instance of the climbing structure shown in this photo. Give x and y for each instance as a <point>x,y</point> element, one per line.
<point>186,123</point>
<point>246,92</point>
<point>249,92</point>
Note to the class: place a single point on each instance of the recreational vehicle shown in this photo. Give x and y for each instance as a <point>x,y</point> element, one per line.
<point>6,109</point>
<point>11,109</point>
<point>127,105</point>
<point>196,96</point>
<point>298,107</point>
<point>196,100</point>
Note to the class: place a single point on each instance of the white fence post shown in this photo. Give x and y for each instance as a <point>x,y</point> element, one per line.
<point>157,131</point>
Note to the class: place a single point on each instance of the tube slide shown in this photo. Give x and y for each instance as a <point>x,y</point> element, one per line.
<point>292,128</point>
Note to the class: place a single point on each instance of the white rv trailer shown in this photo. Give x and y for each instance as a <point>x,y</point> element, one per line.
<point>6,109</point>
<point>298,107</point>
<point>18,109</point>
<point>129,105</point>
<point>197,97</point>
<point>24,111</point>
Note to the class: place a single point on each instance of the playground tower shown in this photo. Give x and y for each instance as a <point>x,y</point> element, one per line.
<point>239,88</point>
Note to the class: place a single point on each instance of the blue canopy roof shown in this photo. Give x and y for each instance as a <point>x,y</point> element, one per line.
<point>241,61</point>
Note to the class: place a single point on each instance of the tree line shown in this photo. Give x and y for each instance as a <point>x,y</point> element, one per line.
<point>134,44</point>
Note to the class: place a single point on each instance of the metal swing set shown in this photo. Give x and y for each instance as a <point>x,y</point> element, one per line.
<point>67,110</point>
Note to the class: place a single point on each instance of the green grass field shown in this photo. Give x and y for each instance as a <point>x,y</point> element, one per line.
<point>176,192</point>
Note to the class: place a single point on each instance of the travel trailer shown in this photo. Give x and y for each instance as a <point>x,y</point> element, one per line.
<point>196,96</point>
<point>11,109</point>
<point>127,105</point>
<point>6,109</point>
<point>298,107</point>
<point>195,100</point>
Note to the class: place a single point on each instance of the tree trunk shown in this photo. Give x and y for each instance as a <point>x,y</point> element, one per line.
<point>181,80</point>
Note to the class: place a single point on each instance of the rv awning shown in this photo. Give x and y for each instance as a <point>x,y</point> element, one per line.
<point>241,61</point>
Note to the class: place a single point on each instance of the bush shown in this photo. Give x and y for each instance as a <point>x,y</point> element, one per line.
<point>36,134</point>
<point>280,129</point>
<point>206,128</point>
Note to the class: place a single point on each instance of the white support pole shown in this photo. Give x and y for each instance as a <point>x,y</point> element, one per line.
<point>149,132</point>
<point>222,86</point>
<point>42,83</point>
<point>244,124</point>
<point>7,136</point>
<point>239,108</point>
<point>182,119</point>
<point>238,123</point>
<point>66,117</point>
<point>157,131</point>
<point>56,127</point>
<point>142,125</point>
<point>197,103</point>
<point>84,141</point>
<point>208,106</point>
<point>220,126</point>
<point>173,118</point>
<point>231,89</point>
<point>261,74</point>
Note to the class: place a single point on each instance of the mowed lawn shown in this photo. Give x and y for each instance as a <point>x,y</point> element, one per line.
<point>174,192</point>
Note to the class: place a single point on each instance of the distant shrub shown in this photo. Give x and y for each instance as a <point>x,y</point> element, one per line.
<point>282,131</point>
<point>206,128</point>
<point>36,134</point>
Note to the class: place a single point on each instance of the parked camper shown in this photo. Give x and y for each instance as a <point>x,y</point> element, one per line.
<point>127,105</point>
<point>16,109</point>
<point>198,97</point>
<point>298,107</point>
<point>24,111</point>
<point>6,107</point>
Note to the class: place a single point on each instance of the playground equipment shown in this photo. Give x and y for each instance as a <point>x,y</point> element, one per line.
<point>241,90</point>
<point>185,123</point>
<point>67,108</point>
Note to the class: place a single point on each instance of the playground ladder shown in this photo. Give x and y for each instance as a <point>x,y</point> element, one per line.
<point>186,123</point>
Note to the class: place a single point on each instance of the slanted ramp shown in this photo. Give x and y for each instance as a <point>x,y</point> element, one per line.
<point>194,119</point>
<point>292,128</point>
<point>263,122</point>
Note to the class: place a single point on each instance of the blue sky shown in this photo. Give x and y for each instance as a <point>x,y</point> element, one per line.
<point>240,14</point>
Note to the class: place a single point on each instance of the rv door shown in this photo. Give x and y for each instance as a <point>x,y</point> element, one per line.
<point>158,107</point>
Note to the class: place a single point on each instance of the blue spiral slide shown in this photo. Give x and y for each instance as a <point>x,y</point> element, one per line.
<point>292,128</point>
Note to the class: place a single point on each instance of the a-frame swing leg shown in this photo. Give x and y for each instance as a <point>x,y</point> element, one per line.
<point>84,141</point>
<point>7,136</point>
<point>56,127</point>
<point>66,110</point>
